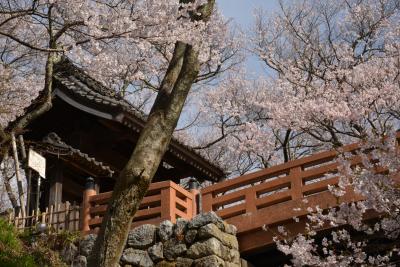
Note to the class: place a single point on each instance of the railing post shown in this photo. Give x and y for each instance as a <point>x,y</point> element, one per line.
<point>195,208</point>
<point>250,201</point>
<point>194,189</point>
<point>296,183</point>
<point>85,212</point>
<point>168,204</point>
<point>206,202</point>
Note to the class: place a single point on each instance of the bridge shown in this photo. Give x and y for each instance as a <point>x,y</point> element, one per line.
<point>252,202</point>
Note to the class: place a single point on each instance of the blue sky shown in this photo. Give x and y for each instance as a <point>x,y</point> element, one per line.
<point>241,12</point>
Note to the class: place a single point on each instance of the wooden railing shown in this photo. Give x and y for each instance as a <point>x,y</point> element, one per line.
<point>271,197</point>
<point>275,195</point>
<point>163,201</point>
<point>57,218</point>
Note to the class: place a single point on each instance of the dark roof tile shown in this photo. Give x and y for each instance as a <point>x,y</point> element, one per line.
<point>79,82</point>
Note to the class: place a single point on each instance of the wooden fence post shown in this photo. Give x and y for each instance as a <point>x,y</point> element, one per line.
<point>44,214</point>
<point>10,217</point>
<point>85,212</point>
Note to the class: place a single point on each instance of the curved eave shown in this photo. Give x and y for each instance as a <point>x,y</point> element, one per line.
<point>106,109</point>
<point>83,107</point>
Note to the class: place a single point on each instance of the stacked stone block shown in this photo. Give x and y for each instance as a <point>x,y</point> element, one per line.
<point>205,241</point>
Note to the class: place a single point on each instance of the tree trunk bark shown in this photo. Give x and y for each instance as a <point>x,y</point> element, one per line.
<point>8,187</point>
<point>10,193</point>
<point>21,193</point>
<point>135,178</point>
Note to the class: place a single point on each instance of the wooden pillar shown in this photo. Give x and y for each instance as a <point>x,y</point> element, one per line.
<point>32,191</point>
<point>195,202</point>
<point>85,212</point>
<point>194,187</point>
<point>56,184</point>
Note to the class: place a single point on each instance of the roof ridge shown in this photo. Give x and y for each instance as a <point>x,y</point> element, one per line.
<point>66,68</point>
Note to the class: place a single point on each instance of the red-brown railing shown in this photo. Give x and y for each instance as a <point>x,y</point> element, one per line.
<point>275,195</point>
<point>271,197</point>
<point>163,201</point>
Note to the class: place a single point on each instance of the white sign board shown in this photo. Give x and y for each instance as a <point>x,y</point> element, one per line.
<point>37,162</point>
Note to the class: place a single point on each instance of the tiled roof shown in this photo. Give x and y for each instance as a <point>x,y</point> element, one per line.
<point>52,144</point>
<point>80,83</point>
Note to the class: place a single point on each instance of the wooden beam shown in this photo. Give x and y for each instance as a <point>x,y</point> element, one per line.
<point>56,184</point>
<point>172,174</point>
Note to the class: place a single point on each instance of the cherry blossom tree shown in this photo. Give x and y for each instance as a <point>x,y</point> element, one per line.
<point>127,46</point>
<point>239,135</point>
<point>317,62</point>
<point>155,48</point>
<point>334,80</point>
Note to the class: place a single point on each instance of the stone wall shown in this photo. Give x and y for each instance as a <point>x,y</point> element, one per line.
<point>205,241</point>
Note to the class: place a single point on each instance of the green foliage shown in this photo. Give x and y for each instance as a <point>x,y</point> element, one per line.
<point>68,237</point>
<point>12,252</point>
<point>31,249</point>
<point>8,236</point>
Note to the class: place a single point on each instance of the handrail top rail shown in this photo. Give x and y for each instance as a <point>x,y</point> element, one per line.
<point>308,161</point>
<point>153,187</point>
<point>267,186</point>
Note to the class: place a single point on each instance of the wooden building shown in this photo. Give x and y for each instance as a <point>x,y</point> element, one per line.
<point>90,132</point>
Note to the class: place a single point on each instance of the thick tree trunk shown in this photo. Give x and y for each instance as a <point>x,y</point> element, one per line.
<point>135,178</point>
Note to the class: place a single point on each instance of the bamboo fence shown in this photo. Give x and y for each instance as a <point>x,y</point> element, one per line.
<point>56,218</point>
